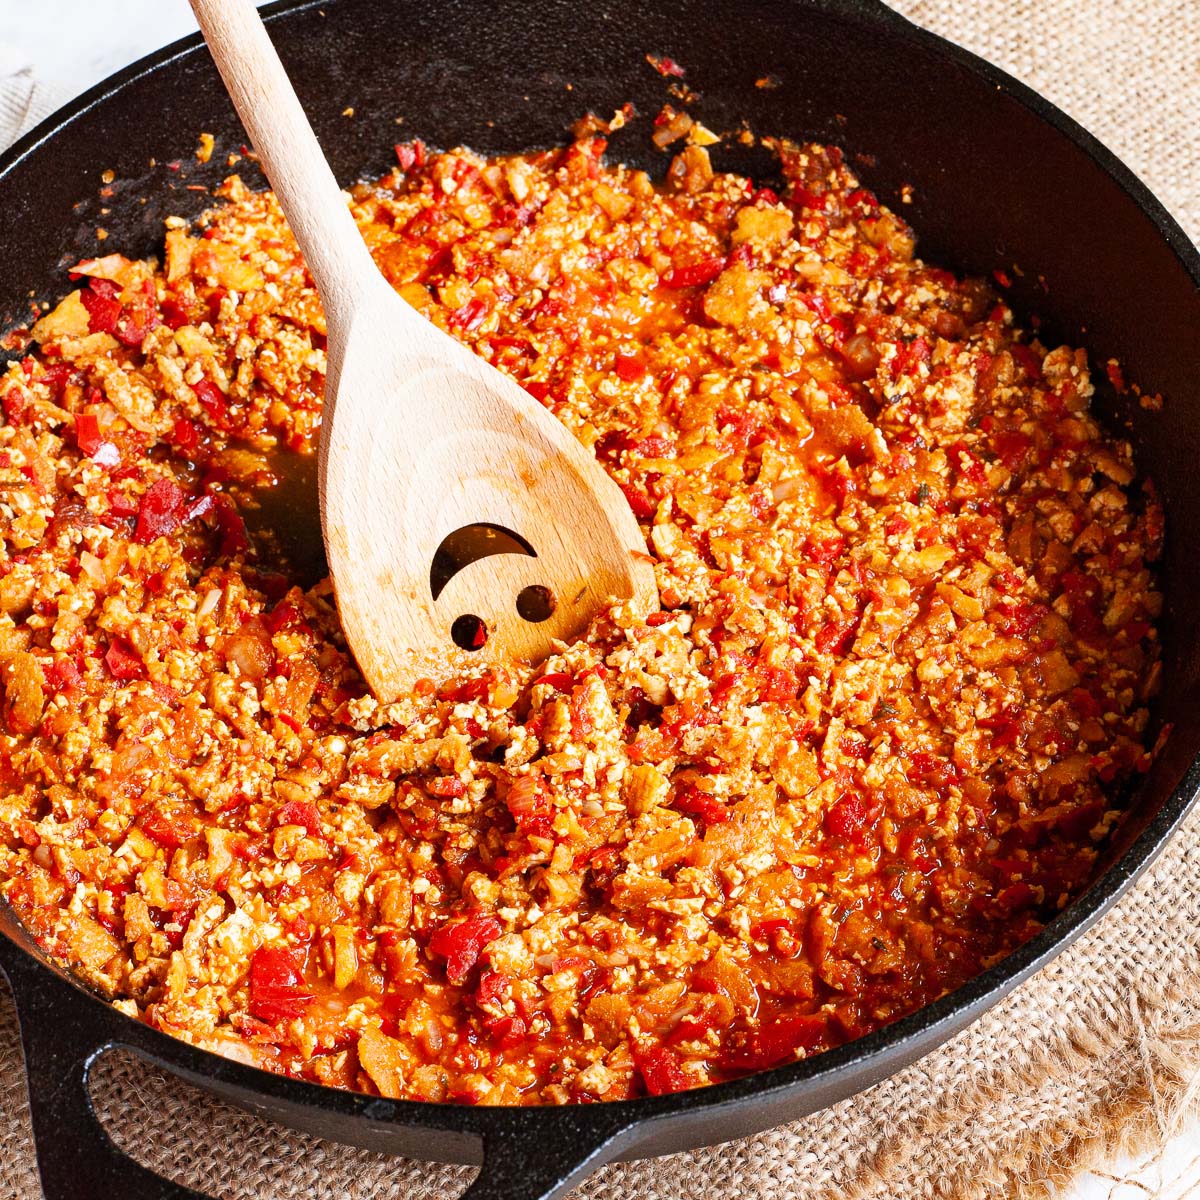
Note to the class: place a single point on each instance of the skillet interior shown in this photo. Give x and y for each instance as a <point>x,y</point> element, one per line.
<point>999,179</point>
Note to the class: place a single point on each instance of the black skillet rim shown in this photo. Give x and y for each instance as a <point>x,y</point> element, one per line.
<point>927,1025</point>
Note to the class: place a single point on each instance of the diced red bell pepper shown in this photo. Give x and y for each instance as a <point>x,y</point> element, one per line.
<point>300,812</point>
<point>277,991</point>
<point>653,447</point>
<point>694,1026</point>
<point>461,943</point>
<point>284,615</point>
<point>1030,363</point>
<point>933,769</point>
<point>777,1042</point>
<point>848,817</point>
<point>137,319</point>
<point>629,367</point>
<point>169,830</point>
<point>506,1032</point>
<point>15,404</point>
<point>230,525</point>
<point>700,804</point>
<point>63,675</point>
<point>92,443</point>
<point>123,661</point>
<point>1134,631</point>
<point>801,197</point>
<point>87,433</point>
<point>186,436</point>
<point>410,154</point>
<point>174,314</point>
<point>161,512</point>
<point>472,689</point>
<point>56,377</point>
<point>1011,446</point>
<point>665,66</point>
<point>470,316</point>
<point>695,274</point>
<point>764,931</point>
<point>910,356</point>
<point>863,197</point>
<point>290,722</point>
<point>818,303</point>
<point>1019,620</point>
<point>120,505</point>
<point>1005,728</point>
<point>213,403</point>
<point>102,310</point>
<point>446,785</point>
<point>643,506</point>
<point>778,684</point>
<point>661,1070</point>
<point>836,637</point>
<point>1086,705</point>
<point>493,989</point>
<point>824,550</point>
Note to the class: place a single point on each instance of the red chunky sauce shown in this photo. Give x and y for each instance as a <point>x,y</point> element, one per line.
<point>869,746</point>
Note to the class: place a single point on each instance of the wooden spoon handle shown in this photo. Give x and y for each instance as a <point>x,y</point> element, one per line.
<point>289,151</point>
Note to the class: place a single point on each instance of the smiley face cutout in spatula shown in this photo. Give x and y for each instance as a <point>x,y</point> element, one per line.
<point>460,517</point>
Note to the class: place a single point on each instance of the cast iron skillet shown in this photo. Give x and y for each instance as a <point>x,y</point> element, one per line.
<point>1000,177</point>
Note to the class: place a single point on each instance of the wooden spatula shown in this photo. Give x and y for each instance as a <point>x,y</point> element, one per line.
<point>462,521</point>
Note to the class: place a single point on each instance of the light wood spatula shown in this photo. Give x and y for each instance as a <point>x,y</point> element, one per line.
<point>462,521</point>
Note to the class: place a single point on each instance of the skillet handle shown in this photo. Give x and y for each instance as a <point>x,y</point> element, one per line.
<point>62,1039</point>
<point>523,1160</point>
<point>64,1034</point>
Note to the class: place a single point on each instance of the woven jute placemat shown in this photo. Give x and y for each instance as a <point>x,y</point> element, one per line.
<point>1098,1053</point>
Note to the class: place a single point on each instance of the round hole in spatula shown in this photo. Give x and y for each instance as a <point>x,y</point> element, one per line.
<point>469,632</point>
<point>536,603</point>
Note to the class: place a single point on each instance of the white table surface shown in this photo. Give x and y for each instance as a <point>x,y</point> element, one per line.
<point>72,44</point>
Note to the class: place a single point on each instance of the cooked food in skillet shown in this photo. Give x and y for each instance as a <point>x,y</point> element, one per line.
<point>872,742</point>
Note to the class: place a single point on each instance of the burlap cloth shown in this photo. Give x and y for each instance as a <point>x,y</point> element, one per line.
<point>1098,1053</point>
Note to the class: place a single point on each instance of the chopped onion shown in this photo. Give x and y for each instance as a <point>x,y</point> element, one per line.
<point>94,568</point>
<point>786,489</point>
<point>209,602</point>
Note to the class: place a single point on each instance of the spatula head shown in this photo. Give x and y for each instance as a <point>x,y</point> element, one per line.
<point>462,521</point>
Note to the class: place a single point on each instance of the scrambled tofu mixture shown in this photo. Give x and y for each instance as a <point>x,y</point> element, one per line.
<point>870,744</point>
